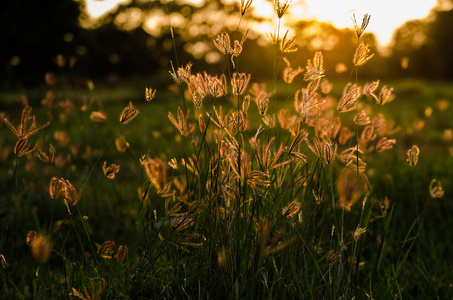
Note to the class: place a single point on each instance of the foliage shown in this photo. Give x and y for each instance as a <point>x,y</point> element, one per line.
<point>289,188</point>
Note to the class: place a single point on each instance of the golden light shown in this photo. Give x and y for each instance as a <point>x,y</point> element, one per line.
<point>386,15</point>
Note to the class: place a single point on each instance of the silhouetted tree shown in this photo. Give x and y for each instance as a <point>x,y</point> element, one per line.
<point>32,34</point>
<point>422,48</point>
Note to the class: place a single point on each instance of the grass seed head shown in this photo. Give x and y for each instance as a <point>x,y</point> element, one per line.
<point>239,82</point>
<point>362,119</point>
<point>245,4</point>
<point>150,94</point>
<point>223,43</point>
<point>121,253</point>
<point>385,144</point>
<point>121,144</point>
<point>27,126</point>
<point>435,189</point>
<point>111,170</point>
<point>291,209</point>
<point>23,148</point>
<point>47,158</point>
<point>3,261</point>
<point>106,249</point>
<point>350,97</point>
<point>360,30</point>
<point>362,55</point>
<point>287,44</point>
<point>31,237</point>
<point>412,155</point>
<point>281,7</point>
<point>351,188</point>
<point>98,116</point>
<point>315,69</point>
<point>128,114</point>
<point>385,95</point>
<point>41,248</point>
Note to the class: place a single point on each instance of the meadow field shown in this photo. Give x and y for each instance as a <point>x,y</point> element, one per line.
<point>216,186</point>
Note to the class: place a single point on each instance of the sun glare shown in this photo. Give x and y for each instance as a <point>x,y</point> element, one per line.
<point>386,15</point>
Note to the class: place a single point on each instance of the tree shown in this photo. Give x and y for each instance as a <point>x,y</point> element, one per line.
<point>33,33</point>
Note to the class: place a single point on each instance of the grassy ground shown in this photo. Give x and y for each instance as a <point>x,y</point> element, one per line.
<point>402,254</point>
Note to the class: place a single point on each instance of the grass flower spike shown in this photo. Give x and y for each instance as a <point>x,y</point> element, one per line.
<point>362,55</point>
<point>360,30</point>
<point>245,4</point>
<point>281,7</point>
<point>412,155</point>
<point>435,189</point>
<point>239,82</point>
<point>150,94</point>
<point>111,170</point>
<point>128,114</point>
<point>350,97</point>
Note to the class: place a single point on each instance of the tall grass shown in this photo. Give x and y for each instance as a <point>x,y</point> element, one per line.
<point>257,201</point>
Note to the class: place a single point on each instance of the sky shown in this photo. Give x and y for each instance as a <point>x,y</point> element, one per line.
<point>386,15</point>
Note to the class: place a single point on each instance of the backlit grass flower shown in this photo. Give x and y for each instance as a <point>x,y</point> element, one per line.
<point>289,73</point>
<point>41,248</point>
<point>435,189</point>
<point>360,30</point>
<point>128,114</point>
<point>182,123</point>
<point>217,86</point>
<point>182,74</point>
<point>3,261</point>
<point>329,151</point>
<point>237,47</point>
<point>362,118</point>
<point>263,104</point>
<point>287,44</point>
<point>245,4</point>
<point>281,7</point>
<point>47,158</point>
<point>351,188</point>
<point>27,125</point>
<point>349,99</point>
<point>106,249</point>
<point>385,95</point>
<point>385,144</point>
<point>111,170</point>
<point>369,88</point>
<point>291,209</point>
<point>173,163</point>
<point>31,237</point>
<point>412,155</point>
<point>121,143</point>
<point>239,82</point>
<point>70,193</point>
<point>98,116</point>
<point>362,55</point>
<point>93,292</point>
<point>358,232</point>
<point>121,253</point>
<point>223,43</point>
<point>149,94</point>
<point>23,147</point>
<point>315,68</point>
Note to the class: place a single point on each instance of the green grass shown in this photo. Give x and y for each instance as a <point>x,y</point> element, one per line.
<point>413,262</point>
<point>242,217</point>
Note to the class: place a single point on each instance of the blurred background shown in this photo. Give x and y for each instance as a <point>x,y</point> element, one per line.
<point>112,41</point>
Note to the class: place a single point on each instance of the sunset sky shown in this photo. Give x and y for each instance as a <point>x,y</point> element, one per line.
<point>386,15</point>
